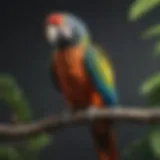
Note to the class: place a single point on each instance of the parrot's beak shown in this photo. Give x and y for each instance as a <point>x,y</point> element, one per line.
<point>60,37</point>
<point>64,41</point>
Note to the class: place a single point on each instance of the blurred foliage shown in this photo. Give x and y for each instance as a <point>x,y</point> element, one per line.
<point>137,10</point>
<point>138,150</point>
<point>157,48</point>
<point>148,147</point>
<point>151,32</point>
<point>140,8</point>
<point>151,90</point>
<point>12,95</point>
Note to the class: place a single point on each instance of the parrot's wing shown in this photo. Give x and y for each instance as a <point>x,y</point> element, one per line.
<point>100,73</point>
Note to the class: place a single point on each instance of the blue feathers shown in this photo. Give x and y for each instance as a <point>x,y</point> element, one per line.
<point>101,75</point>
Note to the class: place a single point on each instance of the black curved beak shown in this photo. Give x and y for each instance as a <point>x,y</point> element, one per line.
<point>65,42</point>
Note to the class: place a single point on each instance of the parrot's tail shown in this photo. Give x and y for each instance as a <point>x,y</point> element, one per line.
<point>104,141</point>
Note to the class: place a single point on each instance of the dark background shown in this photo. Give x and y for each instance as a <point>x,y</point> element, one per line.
<point>24,53</point>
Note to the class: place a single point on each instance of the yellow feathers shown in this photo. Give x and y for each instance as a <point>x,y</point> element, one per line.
<point>105,66</point>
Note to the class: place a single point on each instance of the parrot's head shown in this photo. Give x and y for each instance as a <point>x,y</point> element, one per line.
<point>65,30</point>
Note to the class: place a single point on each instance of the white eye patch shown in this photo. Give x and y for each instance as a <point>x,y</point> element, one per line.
<point>51,33</point>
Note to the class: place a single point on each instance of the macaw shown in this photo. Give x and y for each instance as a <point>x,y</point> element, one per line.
<point>83,74</point>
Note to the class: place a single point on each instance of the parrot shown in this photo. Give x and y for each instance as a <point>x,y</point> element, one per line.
<point>83,74</point>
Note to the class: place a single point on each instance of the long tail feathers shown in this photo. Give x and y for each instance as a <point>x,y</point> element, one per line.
<point>104,141</point>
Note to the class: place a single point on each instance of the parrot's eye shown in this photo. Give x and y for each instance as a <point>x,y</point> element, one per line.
<point>66,31</point>
<point>51,33</point>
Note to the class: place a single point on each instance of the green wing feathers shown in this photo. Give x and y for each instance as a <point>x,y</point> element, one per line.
<point>101,74</point>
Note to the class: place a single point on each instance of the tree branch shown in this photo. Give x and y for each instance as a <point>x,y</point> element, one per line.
<point>56,122</point>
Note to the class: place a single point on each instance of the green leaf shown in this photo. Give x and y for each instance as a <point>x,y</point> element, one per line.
<point>140,8</point>
<point>11,93</point>
<point>34,145</point>
<point>155,142</point>
<point>151,32</point>
<point>138,150</point>
<point>38,142</point>
<point>151,90</point>
<point>151,84</point>
<point>157,48</point>
<point>9,153</point>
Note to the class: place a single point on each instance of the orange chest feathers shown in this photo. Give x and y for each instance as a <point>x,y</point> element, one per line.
<point>73,79</point>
